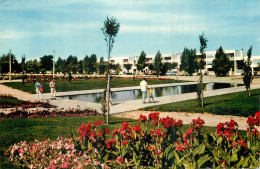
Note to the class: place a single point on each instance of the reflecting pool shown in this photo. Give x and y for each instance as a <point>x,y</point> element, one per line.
<point>120,96</point>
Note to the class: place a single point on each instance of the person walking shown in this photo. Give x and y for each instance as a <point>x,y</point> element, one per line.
<point>38,90</point>
<point>143,85</point>
<point>151,94</point>
<point>53,89</point>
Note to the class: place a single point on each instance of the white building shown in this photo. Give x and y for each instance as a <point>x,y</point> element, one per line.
<point>235,56</point>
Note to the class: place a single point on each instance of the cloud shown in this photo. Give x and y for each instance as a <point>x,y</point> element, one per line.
<point>143,29</point>
<point>49,29</point>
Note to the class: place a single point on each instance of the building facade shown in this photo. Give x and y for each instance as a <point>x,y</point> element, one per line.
<point>234,56</point>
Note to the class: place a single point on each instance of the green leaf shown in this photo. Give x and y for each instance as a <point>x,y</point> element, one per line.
<point>177,158</point>
<point>166,152</point>
<point>234,157</point>
<point>195,150</point>
<point>245,162</point>
<point>240,162</point>
<point>220,139</point>
<point>186,164</point>
<point>171,155</point>
<point>254,160</point>
<point>248,144</point>
<point>202,160</point>
<point>201,148</point>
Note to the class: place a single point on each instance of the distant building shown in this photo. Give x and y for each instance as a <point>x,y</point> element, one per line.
<point>235,56</point>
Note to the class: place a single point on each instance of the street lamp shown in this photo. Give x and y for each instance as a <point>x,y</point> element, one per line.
<point>10,65</point>
<point>53,69</point>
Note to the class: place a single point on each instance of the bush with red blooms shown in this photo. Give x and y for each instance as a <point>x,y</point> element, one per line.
<point>17,113</point>
<point>48,78</point>
<point>160,143</point>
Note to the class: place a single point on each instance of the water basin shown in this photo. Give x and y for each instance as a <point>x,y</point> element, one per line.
<point>120,96</point>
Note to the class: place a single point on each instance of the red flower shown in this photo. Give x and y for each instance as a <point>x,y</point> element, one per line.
<point>223,163</point>
<point>125,126</point>
<point>124,142</point>
<point>107,130</point>
<point>179,146</point>
<point>142,118</point>
<point>242,143</point>
<point>154,115</point>
<point>137,129</point>
<point>110,142</point>
<point>255,132</point>
<point>119,159</point>
<point>98,123</point>
<point>158,132</point>
<point>115,131</point>
<point>100,133</point>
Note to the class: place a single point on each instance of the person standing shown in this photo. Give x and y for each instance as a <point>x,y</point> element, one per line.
<point>38,90</point>
<point>143,85</point>
<point>53,89</point>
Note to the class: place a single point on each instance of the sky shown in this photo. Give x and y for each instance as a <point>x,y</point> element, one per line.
<point>35,28</point>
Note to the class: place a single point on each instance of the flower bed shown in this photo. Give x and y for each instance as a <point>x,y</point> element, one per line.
<point>161,146</point>
<point>48,78</point>
<point>48,113</point>
<point>8,101</point>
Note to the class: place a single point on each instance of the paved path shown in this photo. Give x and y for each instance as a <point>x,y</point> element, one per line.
<point>125,105</point>
<point>128,108</point>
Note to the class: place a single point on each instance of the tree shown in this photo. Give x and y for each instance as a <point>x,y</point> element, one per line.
<point>80,66</point>
<point>188,61</point>
<point>46,63</point>
<point>246,65</point>
<point>92,63</point>
<point>4,64</point>
<point>101,66</point>
<point>23,67</point>
<point>110,30</point>
<point>72,62</point>
<point>158,63</point>
<point>166,67</point>
<point>201,65</point>
<point>141,63</point>
<point>86,64</point>
<point>221,64</point>
<point>128,66</point>
<point>118,68</point>
<point>59,65</point>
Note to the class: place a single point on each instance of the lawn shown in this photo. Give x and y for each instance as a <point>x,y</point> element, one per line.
<point>16,130</point>
<point>63,86</point>
<point>237,104</point>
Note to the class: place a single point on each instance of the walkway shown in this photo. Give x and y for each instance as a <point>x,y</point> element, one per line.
<point>130,107</point>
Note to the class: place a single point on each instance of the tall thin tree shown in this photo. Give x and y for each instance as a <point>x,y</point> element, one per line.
<point>201,57</point>
<point>248,71</point>
<point>110,30</point>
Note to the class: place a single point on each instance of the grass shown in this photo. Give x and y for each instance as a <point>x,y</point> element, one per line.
<point>16,130</point>
<point>63,86</point>
<point>11,101</point>
<point>236,104</point>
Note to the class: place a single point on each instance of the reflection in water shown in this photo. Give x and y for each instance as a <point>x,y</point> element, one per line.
<point>158,92</point>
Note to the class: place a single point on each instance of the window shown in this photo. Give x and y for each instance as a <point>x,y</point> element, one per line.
<point>125,60</point>
<point>210,56</point>
<point>230,55</point>
<point>112,61</point>
<point>167,58</point>
<point>209,63</point>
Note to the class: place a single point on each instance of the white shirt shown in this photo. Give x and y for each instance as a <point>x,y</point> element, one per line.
<point>143,85</point>
<point>52,84</point>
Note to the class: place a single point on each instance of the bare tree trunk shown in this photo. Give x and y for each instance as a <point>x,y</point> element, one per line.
<point>202,92</point>
<point>108,97</point>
